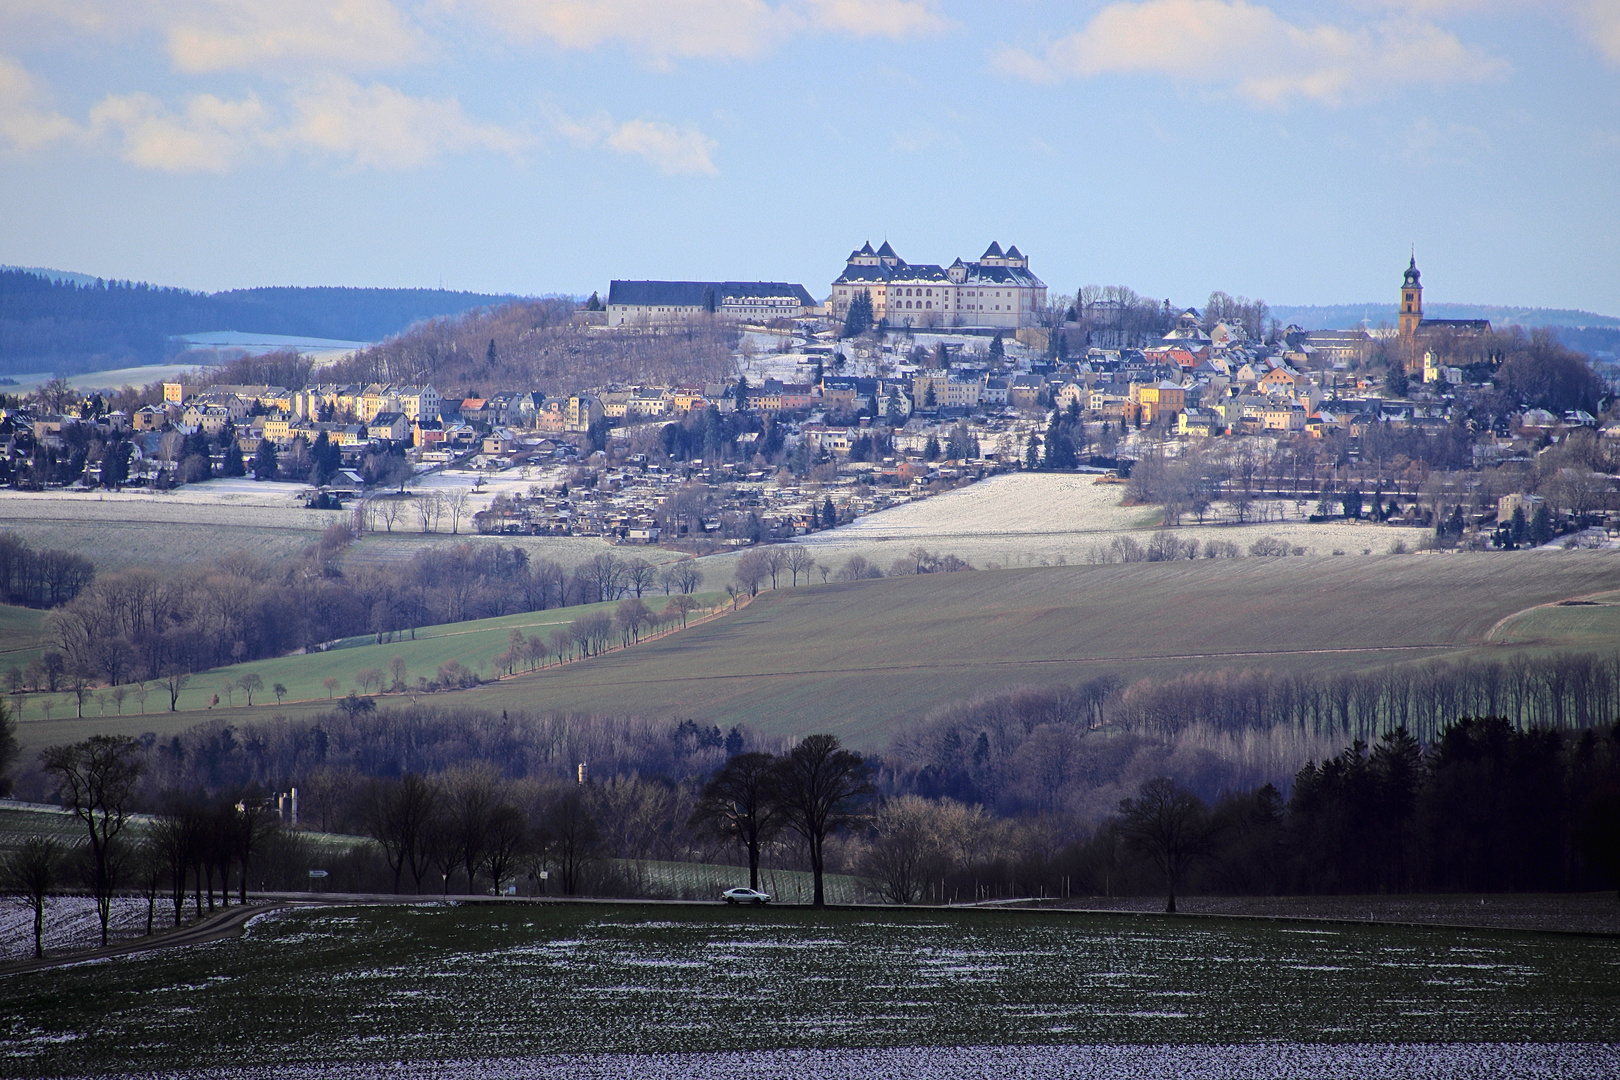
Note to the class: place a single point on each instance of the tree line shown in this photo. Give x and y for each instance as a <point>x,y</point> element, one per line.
<point>40,577</point>
<point>139,626</point>
<point>478,804</point>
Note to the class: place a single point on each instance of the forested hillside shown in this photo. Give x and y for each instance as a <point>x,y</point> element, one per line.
<point>538,344</point>
<point>67,328</point>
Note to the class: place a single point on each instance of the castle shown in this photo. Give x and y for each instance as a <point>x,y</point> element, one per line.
<point>998,291</point>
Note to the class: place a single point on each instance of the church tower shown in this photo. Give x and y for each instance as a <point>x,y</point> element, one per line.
<point>1411,300</point>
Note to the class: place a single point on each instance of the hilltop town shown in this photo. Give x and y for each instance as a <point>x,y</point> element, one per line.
<point>909,379</point>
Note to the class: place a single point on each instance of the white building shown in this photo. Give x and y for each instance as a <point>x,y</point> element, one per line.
<point>997,291</point>
<point>641,303</point>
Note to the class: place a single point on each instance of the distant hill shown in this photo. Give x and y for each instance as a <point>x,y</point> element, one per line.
<point>54,275</point>
<point>69,324</point>
<point>1596,335</point>
<point>1350,316</point>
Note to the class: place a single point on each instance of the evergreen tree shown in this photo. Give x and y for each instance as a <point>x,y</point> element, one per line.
<point>1541,526</point>
<point>742,392</point>
<point>325,460</point>
<point>1032,453</point>
<point>931,449</point>
<point>997,350</point>
<point>1518,526</point>
<point>1059,447</point>
<point>264,461</point>
<point>929,400</point>
<point>859,319</point>
<point>233,464</point>
<point>490,354</point>
<point>829,515</point>
<point>1352,502</point>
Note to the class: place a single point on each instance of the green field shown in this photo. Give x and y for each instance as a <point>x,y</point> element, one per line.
<point>853,659</point>
<point>19,823</point>
<point>19,636</point>
<point>473,643</point>
<point>430,982</point>
<point>856,658</point>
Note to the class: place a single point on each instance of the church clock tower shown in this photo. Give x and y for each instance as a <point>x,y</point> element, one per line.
<point>1411,300</point>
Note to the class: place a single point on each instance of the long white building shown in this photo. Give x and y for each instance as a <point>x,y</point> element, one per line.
<point>997,291</point>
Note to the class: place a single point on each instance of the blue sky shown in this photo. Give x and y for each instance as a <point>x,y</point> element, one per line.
<point>1288,151</point>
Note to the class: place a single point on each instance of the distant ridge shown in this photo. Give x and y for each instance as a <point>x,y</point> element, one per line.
<point>1352,316</point>
<point>72,323</point>
<point>54,275</point>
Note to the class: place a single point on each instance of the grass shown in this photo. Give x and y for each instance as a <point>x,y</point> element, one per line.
<point>19,823</point>
<point>855,659</point>
<point>433,983</point>
<point>475,644</point>
<point>20,629</point>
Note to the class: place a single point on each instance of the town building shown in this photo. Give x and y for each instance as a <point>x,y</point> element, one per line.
<point>646,303</point>
<point>998,291</point>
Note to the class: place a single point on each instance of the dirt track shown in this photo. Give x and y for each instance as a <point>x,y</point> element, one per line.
<point>217,927</point>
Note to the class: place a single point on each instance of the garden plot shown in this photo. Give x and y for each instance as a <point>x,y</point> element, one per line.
<point>704,984</point>
<point>1035,519</point>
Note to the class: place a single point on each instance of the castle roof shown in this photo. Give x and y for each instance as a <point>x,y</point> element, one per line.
<point>993,251</point>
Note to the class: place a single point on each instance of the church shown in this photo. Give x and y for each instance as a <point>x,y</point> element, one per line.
<point>1414,328</point>
<point>997,292</point>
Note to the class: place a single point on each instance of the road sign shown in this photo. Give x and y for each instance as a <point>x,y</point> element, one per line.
<point>317,873</point>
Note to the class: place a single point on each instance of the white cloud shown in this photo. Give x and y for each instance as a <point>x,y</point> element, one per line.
<point>380,127</point>
<point>209,135</point>
<point>877,18</point>
<point>26,122</point>
<point>1248,48</point>
<point>676,29</point>
<point>217,35</point>
<point>374,127</point>
<point>1601,20</point>
<point>671,150</point>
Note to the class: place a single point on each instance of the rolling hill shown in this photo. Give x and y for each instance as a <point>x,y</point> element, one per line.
<point>856,659</point>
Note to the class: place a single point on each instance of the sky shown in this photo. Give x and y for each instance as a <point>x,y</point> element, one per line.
<point>1294,152</point>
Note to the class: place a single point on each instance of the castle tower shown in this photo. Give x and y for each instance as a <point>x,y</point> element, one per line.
<point>1411,300</point>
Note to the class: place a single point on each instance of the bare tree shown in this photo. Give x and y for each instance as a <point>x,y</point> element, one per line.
<point>250,683</point>
<point>639,575</point>
<point>774,560</point>
<point>799,561</point>
<point>571,837</point>
<point>506,837</point>
<point>398,814</point>
<point>819,790</point>
<point>429,509</point>
<point>751,570</point>
<point>456,505</point>
<point>389,510</point>
<point>738,805</point>
<point>30,872</point>
<point>96,780</point>
<point>688,575</point>
<point>1171,826</point>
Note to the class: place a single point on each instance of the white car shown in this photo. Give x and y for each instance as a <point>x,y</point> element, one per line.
<point>745,896</point>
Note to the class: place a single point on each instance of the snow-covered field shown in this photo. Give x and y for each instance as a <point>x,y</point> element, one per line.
<point>689,991</point>
<point>70,924</point>
<point>1275,1061</point>
<point>1032,519</point>
<point>199,522</point>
